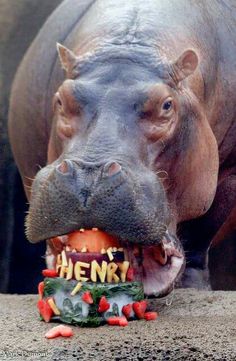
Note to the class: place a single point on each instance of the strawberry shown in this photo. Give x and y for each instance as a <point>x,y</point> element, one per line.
<point>143,304</point>
<point>123,321</point>
<point>126,310</point>
<point>44,310</point>
<point>60,330</point>
<point>87,297</point>
<point>140,308</point>
<point>117,321</point>
<point>49,273</point>
<point>130,274</point>
<point>103,305</point>
<point>149,316</point>
<point>40,289</point>
<point>113,321</point>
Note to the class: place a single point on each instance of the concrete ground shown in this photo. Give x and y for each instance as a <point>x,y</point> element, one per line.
<point>193,325</point>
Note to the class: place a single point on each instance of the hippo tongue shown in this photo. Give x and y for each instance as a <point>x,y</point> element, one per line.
<point>160,279</point>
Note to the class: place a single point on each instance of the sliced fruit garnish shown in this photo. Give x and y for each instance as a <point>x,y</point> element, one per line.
<point>49,273</point>
<point>127,310</point>
<point>117,321</point>
<point>103,305</point>
<point>60,330</point>
<point>150,316</point>
<point>140,308</point>
<point>130,274</point>
<point>40,289</point>
<point>87,297</point>
<point>45,310</point>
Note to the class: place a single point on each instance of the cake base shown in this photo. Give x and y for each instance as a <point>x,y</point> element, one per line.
<point>73,309</point>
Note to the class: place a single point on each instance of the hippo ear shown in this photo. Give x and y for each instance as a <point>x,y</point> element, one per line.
<point>68,59</point>
<point>185,65</point>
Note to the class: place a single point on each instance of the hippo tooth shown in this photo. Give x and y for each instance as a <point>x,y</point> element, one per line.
<point>160,254</point>
<point>171,250</point>
<point>64,259</point>
<point>63,239</point>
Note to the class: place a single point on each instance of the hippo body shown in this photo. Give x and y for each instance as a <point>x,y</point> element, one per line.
<point>109,157</point>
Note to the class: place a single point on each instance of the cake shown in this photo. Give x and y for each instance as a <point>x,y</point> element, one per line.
<point>89,282</point>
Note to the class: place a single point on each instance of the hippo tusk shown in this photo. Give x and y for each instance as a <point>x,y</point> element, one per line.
<point>160,254</point>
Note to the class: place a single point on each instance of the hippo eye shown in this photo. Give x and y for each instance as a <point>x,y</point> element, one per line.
<point>167,105</point>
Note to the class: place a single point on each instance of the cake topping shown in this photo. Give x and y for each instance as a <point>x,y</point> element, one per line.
<point>91,255</point>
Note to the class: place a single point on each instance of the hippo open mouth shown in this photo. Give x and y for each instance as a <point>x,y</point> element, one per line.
<point>157,267</point>
<point>160,266</point>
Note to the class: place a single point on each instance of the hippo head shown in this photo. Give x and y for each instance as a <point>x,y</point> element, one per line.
<point>131,153</point>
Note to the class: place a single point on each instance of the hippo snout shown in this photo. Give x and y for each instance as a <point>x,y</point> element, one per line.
<point>127,202</point>
<point>82,178</point>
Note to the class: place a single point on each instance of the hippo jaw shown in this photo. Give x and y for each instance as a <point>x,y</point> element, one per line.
<point>158,267</point>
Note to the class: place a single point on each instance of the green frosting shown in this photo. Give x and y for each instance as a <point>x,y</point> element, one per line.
<point>73,310</point>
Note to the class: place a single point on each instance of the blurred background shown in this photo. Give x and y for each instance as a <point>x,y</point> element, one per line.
<point>20,261</point>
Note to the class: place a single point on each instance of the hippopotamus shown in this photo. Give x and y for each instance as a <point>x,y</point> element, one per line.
<point>122,117</point>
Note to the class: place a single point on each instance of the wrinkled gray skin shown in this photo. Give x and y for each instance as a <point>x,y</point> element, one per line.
<point>123,203</point>
<point>106,167</point>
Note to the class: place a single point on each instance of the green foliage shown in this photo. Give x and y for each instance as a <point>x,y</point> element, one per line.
<point>72,314</point>
<point>115,309</point>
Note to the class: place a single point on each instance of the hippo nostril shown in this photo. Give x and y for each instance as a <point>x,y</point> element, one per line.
<point>65,167</point>
<point>112,168</point>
